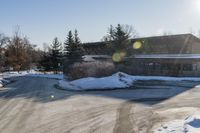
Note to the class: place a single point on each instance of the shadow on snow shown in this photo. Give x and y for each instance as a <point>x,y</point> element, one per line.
<point>146,92</point>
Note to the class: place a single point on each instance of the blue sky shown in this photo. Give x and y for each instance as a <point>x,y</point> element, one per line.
<point>42,20</point>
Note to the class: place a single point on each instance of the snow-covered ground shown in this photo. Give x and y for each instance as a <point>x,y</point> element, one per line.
<point>32,73</point>
<point>118,80</point>
<point>17,74</point>
<point>190,124</point>
<point>6,75</point>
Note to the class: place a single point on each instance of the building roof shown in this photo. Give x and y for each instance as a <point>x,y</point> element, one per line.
<point>170,44</point>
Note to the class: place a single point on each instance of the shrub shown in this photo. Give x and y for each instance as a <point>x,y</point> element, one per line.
<point>90,69</point>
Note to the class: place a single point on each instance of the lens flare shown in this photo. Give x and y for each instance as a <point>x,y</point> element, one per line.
<point>137,45</point>
<point>122,54</point>
<point>52,96</point>
<point>116,57</point>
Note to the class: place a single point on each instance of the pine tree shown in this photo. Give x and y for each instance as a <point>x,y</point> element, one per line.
<point>69,42</point>
<point>56,54</point>
<point>73,48</point>
<point>76,38</point>
<point>120,37</point>
<point>79,47</point>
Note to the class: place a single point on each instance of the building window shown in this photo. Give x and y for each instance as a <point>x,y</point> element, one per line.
<point>187,67</point>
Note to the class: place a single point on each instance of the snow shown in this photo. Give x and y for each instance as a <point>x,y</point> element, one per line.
<point>3,82</point>
<point>168,56</point>
<point>118,80</point>
<point>190,124</point>
<point>146,56</point>
<point>31,73</point>
<point>18,74</point>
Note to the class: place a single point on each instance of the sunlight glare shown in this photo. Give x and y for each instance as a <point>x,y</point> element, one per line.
<point>52,96</point>
<point>198,5</point>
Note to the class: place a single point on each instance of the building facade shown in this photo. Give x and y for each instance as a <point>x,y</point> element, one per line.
<point>173,55</point>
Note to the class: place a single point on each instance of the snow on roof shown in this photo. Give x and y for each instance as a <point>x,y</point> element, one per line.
<point>93,57</point>
<point>167,56</point>
<point>146,56</point>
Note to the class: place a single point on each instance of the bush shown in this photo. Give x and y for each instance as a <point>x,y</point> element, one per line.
<point>90,69</point>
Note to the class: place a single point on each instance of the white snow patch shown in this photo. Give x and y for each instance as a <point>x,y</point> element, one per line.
<point>1,83</point>
<point>18,74</point>
<point>190,124</point>
<point>4,82</point>
<point>118,80</point>
<point>32,73</point>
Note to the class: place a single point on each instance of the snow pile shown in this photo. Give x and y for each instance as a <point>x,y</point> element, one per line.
<point>189,125</point>
<point>1,82</point>
<point>4,82</point>
<point>118,80</point>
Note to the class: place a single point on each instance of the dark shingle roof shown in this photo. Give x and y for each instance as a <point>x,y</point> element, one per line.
<point>170,44</point>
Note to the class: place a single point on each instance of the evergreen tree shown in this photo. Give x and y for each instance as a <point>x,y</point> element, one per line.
<point>73,47</point>
<point>118,40</point>
<point>76,38</point>
<point>69,42</point>
<point>119,37</point>
<point>45,61</point>
<point>56,54</point>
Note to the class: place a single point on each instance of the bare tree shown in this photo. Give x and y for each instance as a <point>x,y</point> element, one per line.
<point>19,52</point>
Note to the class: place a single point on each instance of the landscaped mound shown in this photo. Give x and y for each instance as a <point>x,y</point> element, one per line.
<point>118,80</point>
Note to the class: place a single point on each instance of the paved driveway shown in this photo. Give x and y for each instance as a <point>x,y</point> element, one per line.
<point>33,105</point>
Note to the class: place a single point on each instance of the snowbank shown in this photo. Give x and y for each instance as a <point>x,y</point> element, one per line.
<point>32,73</point>
<point>190,124</point>
<point>1,82</point>
<point>4,82</point>
<point>118,80</point>
<point>18,74</point>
